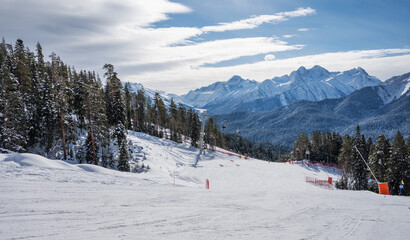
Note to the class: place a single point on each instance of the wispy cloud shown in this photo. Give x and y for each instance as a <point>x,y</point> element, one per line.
<point>269,57</point>
<point>374,61</point>
<point>255,21</point>
<point>304,29</point>
<point>288,36</point>
<point>88,34</point>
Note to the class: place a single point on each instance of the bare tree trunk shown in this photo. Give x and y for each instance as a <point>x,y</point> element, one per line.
<point>62,134</point>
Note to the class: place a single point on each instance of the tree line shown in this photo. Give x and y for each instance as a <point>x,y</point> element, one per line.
<point>265,151</point>
<point>388,160</point>
<point>52,109</point>
<point>47,107</point>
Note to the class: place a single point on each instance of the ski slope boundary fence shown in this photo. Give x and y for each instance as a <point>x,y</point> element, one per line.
<point>314,163</point>
<point>320,183</point>
<point>228,152</point>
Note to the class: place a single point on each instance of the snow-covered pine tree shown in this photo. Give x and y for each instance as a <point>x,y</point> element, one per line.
<point>115,107</point>
<point>182,123</point>
<point>140,110</point>
<point>359,169</point>
<point>345,161</point>
<point>91,151</point>
<point>128,105</point>
<point>21,71</point>
<point>33,109</point>
<point>79,81</point>
<point>378,158</point>
<point>123,160</point>
<point>13,117</point>
<point>173,121</point>
<point>159,112</point>
<point>96,118</point>
<point>210,132</point>
<point>398,165</point>
<point>195,128</point>
<point>3,73</point>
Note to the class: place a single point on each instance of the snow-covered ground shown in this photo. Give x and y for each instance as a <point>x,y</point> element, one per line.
<point>247,199</point>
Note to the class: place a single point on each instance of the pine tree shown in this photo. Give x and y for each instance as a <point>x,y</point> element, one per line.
<point>210,132</point>
<point>345,161</point>
<point>91,150</point>
<point>379,157</point>
<point>173,121</point>
<point>195,128</point>
<point>115,107</point>
<point>123,161</point>
<point>316,153</point>
<point>398,165</point>
<point>182,123</point>
<point>128,106</point>
<point>300,146</point>
<point>96,118</point>
<point>60,90</point>
<point>140,110</point>
<point>13,118</point>
<point>359,169</point>
<point>159,111</point>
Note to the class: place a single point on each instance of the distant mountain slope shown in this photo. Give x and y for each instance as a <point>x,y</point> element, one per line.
<point>313,84</point>
<point>369,107</point>
<point>166,97</point>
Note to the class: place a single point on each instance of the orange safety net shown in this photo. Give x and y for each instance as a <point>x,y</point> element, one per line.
<point>384,188</point>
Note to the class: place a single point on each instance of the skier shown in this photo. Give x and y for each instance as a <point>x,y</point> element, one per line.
<point>401,186</point>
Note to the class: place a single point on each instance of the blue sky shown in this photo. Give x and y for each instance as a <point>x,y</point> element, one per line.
<point>181,45</point>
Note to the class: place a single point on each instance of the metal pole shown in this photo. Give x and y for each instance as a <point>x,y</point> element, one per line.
<point>366,164</point>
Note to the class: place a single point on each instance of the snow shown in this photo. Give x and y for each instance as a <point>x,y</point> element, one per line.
<point>313,84</point>
<point>406,89</point>
<point>248,199</point>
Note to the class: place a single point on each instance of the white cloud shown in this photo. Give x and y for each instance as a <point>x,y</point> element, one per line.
<point>269,57</point>
<point>373,61</point>
<point>288,36</point>
<point>213,51</point>
<point>88,34</point>
<point>303,29</point>
<point>254,22</point>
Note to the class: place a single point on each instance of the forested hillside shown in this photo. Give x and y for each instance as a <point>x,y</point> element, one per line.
<point>50,108</point>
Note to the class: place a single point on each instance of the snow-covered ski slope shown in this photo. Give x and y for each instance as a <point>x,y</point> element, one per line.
<point>247,199</point>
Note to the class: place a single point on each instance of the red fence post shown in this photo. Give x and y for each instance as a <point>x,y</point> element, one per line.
<point>207,184</point>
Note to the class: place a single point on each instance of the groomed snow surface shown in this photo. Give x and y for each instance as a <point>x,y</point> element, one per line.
<point>247,199</point>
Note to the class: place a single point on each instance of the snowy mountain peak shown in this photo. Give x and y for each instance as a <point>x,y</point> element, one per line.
<point>316,73</point>
<point>301,69</point>
<point>313,84</point>
<point>395,87</point>
<point>166,97</point>
<point>235,78</point>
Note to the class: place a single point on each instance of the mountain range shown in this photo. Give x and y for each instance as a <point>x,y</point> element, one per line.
<point>277,109</point>
<point>381,109</point>
<point>313,84</point>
